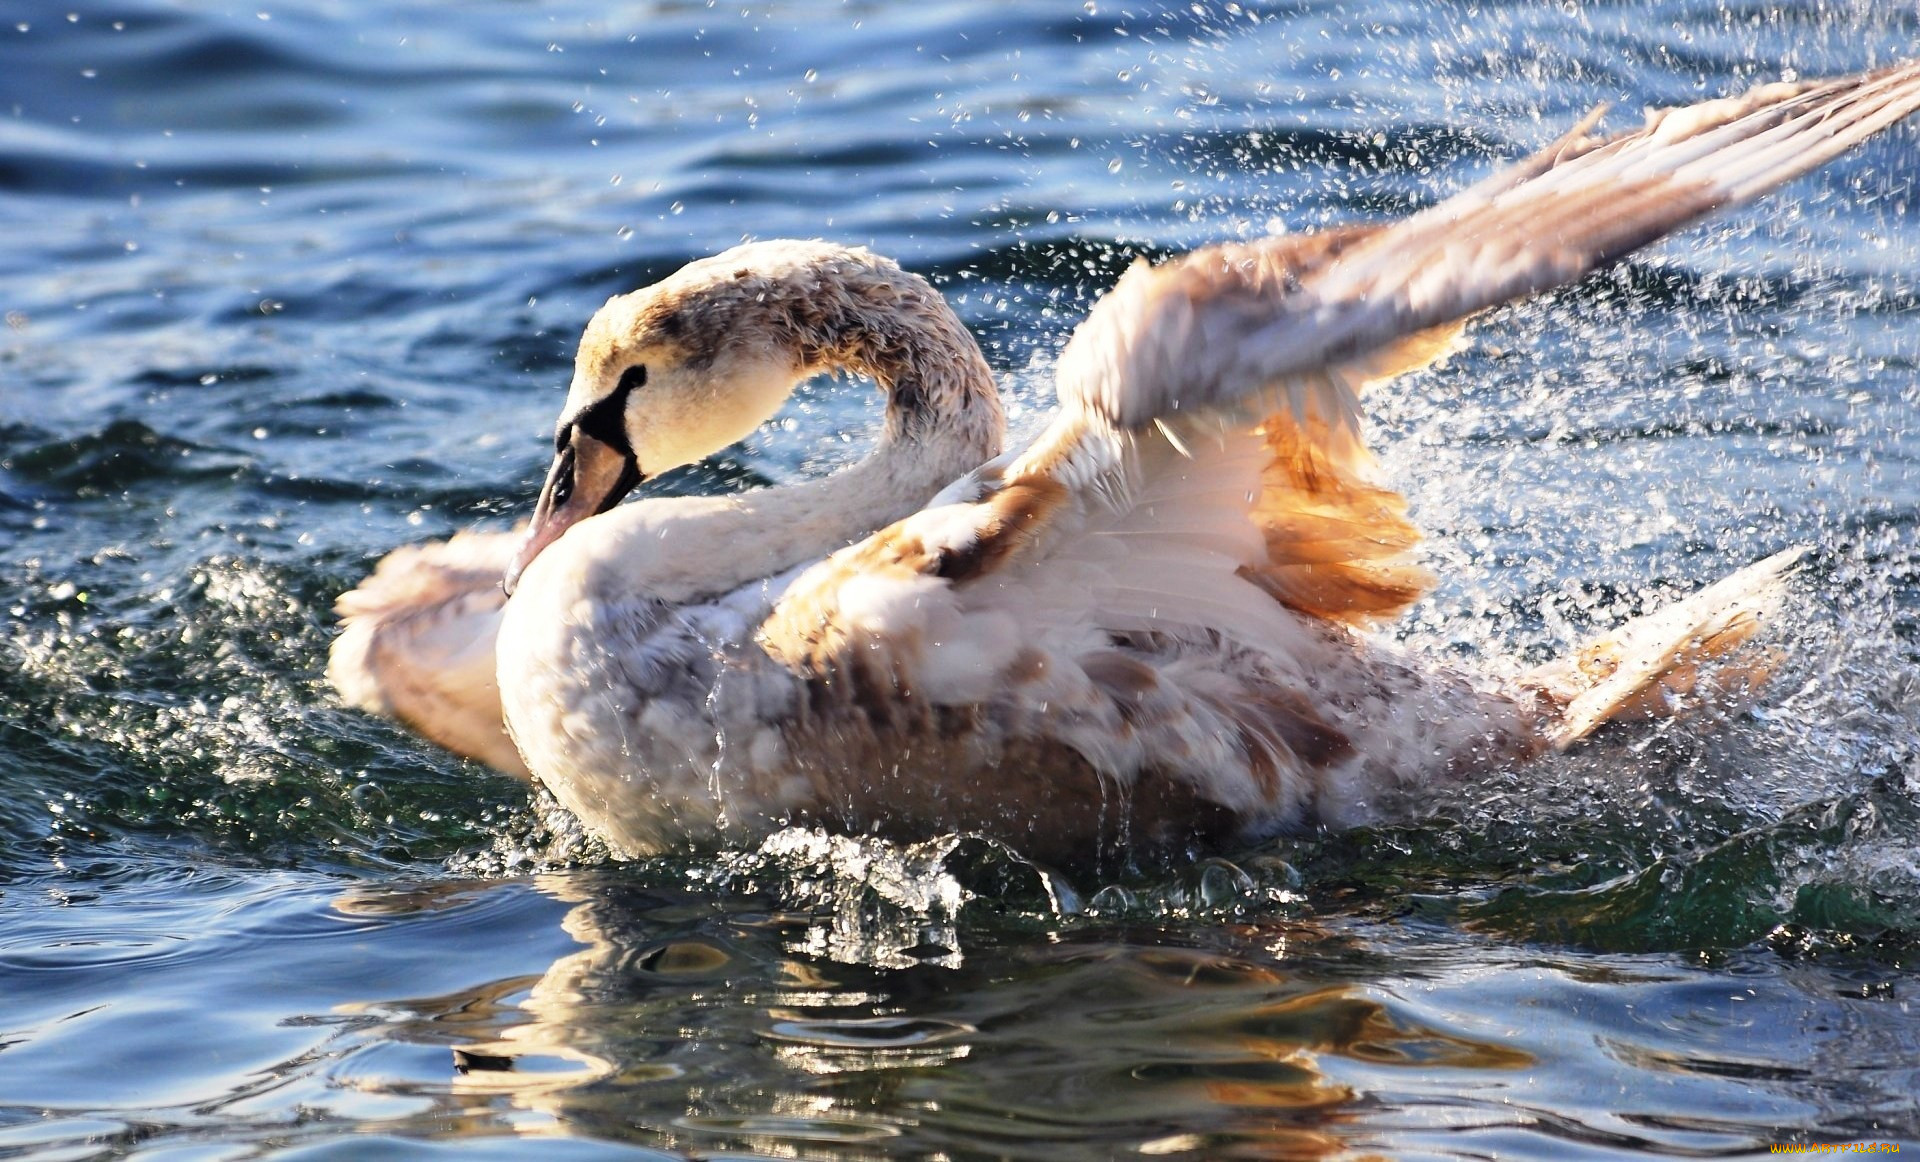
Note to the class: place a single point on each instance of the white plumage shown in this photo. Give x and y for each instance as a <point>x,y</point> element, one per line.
<point>1144,627</point>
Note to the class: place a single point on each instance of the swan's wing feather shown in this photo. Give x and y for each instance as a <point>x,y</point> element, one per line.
<point>417,642</point>
<point>1284,333</point>
<point>1276,338</point>
<point>1207,458</point>
<point>1129,634</point>
<point>873,585</point>
<point>1233,327</point>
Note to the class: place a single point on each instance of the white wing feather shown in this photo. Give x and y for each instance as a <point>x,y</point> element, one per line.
<point>1152,469</point>
<point>1235,327</point>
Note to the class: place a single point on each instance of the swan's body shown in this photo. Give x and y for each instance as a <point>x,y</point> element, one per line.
<point>1142,627</point>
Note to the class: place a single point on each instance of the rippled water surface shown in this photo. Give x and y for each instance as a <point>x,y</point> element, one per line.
<point>288,284</point>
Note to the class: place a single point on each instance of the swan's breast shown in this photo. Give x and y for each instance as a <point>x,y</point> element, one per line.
<point>657,724</point>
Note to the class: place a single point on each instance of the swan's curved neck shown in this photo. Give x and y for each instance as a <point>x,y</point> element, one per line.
<point>878,320</point>
<point>943,416</point>
<point>943,419</point>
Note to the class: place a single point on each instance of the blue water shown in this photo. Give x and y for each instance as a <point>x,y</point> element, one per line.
<point>286,285</point>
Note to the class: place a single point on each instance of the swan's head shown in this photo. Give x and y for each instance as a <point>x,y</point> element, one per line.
<point>673,373</point>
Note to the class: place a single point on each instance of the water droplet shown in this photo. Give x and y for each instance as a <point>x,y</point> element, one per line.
<point>1222,883</point>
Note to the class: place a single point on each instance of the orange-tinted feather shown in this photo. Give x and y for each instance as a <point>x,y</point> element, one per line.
<point>1339,543</point>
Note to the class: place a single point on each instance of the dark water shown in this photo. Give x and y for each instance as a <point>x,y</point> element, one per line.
<point>288,284</point>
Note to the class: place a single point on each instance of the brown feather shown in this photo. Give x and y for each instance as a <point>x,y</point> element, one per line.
<point>807,633</point>
<point>1337,544</point>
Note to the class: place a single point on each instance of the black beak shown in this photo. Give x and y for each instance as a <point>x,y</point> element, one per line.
<point>588,477</point>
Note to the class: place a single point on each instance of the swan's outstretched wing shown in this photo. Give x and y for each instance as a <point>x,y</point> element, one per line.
<point>1207,457</point>
<point>1290,328</point>
<point>1234,327</point>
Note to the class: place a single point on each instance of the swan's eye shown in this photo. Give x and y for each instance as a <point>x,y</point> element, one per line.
<point>562,489</point>
<point>606,419</point>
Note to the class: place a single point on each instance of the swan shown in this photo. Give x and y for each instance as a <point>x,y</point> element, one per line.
<point>1146,627</point>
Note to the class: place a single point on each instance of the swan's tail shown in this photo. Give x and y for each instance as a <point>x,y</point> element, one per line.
<point>1655,665</point>
<point>417,643</point>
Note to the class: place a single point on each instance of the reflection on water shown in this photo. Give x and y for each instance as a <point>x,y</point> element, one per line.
<point>1180,1051</point>
<point>700,1021</point>
<point>681,1011</point>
